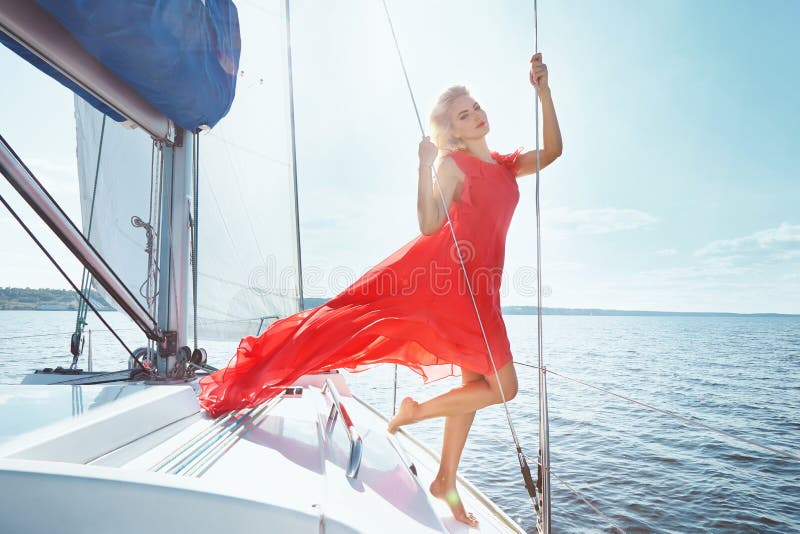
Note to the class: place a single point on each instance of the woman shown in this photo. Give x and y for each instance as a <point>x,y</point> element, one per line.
<point>415,308</point>
<point>459,126</point>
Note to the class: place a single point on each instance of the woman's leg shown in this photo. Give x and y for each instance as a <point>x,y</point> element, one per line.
<point>456,429</point>
<point>464,399</point>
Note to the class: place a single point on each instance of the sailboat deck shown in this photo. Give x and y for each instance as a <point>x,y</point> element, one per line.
<point>284,455</point>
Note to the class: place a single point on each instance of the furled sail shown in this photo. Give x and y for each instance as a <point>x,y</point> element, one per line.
<point>165,51</point>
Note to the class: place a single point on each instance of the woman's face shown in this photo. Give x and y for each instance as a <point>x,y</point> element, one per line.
<point>468,119</point>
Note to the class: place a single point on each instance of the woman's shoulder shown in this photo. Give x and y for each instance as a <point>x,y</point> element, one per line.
<point>452,163</point>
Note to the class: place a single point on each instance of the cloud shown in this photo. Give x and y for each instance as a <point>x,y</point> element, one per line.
<point>565,222</point>
<point>666,252</point>
<point>745,274</point>
<point>706,274</point>
<point>780,244</point>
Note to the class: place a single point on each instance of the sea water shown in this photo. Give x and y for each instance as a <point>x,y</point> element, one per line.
<point>644,470</point>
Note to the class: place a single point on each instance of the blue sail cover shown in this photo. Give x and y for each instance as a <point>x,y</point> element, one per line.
<point>182,56</point>
<point>53,72</point>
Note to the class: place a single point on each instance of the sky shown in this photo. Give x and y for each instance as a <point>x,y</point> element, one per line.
<point>677,189</point>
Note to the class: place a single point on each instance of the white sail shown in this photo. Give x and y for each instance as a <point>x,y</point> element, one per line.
<point>247,257</point>
<point>122,192</point>
<point>248,272</point>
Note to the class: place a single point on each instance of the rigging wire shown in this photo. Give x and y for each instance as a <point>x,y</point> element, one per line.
<point>650,407</point>
<point>564,482</point>
<point>289,88</point>
<point>670,414</point>
<point>530,486</point>
<point>586,501</point>
<point>544,419</point>
<point>566,485</point>
<point>69,280</point>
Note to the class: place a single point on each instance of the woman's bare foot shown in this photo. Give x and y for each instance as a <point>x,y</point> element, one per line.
<point>404,415</point>
<point>448,493</point>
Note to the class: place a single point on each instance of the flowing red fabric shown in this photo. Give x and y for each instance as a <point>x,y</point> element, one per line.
<point>413,308</point>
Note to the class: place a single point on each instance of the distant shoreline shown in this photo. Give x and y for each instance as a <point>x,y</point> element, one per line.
<point>27,299</point>
<point>532,310</point>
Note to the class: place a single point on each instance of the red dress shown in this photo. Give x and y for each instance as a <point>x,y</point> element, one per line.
<point>413,308</point>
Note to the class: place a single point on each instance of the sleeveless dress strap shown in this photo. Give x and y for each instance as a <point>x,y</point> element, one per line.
<point>509,161</point>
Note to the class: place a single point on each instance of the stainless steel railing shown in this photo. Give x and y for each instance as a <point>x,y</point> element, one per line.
<point>338,409</point>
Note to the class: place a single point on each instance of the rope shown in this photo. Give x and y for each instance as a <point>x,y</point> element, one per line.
<point>157,171</point>
<point>520,456</point>
<point>670,414</point>
<point>86,278</point>
<point>148,288</point>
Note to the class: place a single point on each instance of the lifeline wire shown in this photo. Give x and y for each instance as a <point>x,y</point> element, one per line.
<point>57,334</point>
<point>586,501</point>
<point>566,485</point>
<point>671,414</point>
<point>520,455</point>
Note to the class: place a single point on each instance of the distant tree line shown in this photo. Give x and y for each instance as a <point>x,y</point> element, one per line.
<point>17,298</point>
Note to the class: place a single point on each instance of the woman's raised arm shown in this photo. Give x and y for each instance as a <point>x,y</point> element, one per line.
<point>551,133</point>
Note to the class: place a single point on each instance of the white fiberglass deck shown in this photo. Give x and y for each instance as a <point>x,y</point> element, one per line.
<point>150,455</point>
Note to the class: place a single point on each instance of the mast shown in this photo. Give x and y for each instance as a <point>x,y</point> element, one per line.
<point>173,273</point>
<point>301,302</point>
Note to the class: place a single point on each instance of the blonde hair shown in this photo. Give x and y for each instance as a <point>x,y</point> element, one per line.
<point>441,127</point>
